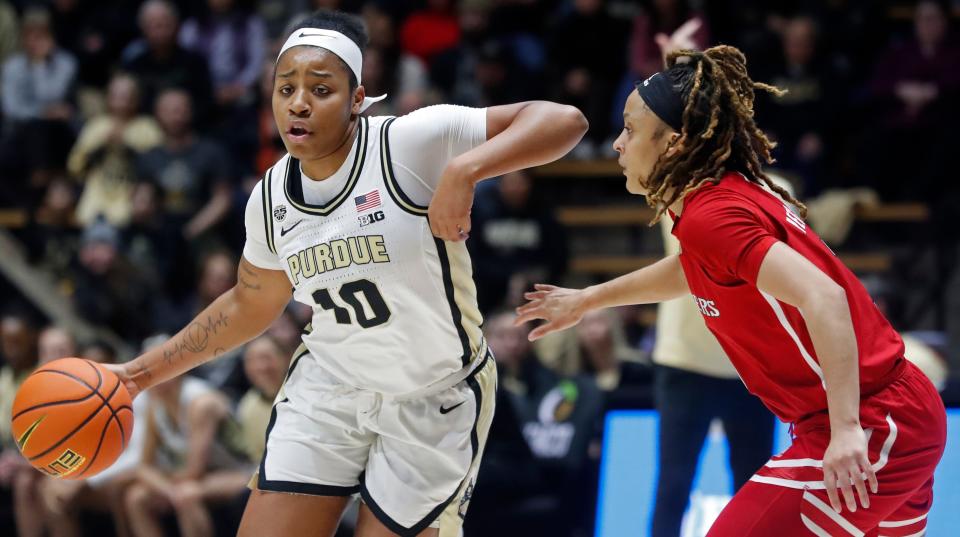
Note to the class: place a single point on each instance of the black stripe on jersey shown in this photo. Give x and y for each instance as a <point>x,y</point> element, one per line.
<point>414,530</point>
<point>293,187</point>
<point>393,187</point>
<point>451,299</point>
<point>267,200</point>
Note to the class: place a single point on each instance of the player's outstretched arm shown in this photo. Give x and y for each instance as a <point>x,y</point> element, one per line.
<point>519,136</point>
<point>237,316</point>
<point>562,308</point>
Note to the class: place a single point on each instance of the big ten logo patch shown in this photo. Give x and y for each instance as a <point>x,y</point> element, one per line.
<point>67,463</point>
<point>371,218</point>
<point>707,307</point>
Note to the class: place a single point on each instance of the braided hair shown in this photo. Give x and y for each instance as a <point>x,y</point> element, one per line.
<point>719,133</point>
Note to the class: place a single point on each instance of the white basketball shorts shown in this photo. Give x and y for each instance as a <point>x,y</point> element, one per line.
<point>413,459</point>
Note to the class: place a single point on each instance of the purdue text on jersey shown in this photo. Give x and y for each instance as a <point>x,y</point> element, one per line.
<point>337,254</point>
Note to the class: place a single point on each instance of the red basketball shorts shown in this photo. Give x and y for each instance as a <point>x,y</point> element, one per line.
<point>906,429</point>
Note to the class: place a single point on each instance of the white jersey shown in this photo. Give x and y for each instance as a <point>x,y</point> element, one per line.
<point>394,308</point>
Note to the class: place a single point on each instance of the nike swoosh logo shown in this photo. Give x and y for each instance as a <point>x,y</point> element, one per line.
<point>25,437</point>
<point>304,34</point>
<point>447,410</point>
<point>289,229</point>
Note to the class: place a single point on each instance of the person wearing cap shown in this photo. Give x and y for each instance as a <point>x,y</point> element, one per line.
<point>805,337</point>
<point>391,394</point>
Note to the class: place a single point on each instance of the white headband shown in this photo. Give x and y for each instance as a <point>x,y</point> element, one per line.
<point>337,43</point>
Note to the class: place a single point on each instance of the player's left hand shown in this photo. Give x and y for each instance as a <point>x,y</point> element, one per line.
<point>845,466</point>
<point>449,212</point>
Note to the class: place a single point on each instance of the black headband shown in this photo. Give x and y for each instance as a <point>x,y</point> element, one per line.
<point>663,98</point>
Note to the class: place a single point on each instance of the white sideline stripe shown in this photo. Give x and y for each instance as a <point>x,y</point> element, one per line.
<point>816,530</point>
<point>899,523</point>
<point>782,317</point>
<point>827,510</point>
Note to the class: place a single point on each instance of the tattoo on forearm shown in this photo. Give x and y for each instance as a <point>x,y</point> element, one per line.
<point>195,337</point>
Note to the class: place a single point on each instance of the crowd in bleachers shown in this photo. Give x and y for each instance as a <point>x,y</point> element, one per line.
<point>131,133</point>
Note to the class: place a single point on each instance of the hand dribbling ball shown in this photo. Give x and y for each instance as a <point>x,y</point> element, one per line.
<point>72,418</point>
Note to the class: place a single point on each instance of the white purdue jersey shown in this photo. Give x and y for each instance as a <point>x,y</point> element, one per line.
<point>394,308</point>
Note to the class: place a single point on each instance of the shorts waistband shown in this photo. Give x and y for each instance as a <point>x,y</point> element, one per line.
<point>821,419</point>
<point>475,366</point>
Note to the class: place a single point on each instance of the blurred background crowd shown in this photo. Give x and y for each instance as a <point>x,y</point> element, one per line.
<point>131,133</point>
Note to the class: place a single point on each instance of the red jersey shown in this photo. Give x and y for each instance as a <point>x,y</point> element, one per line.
<point>725,230</point>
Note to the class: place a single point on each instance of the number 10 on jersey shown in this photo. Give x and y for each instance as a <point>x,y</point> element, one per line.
<point>363,297</point>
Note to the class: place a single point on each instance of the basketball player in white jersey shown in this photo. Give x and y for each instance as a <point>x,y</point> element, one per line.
<point>391,394</point>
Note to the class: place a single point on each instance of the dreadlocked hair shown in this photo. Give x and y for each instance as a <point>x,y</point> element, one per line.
<point>719,133</point>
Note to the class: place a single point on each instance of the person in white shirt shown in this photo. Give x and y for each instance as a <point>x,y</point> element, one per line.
<point>391,393</point>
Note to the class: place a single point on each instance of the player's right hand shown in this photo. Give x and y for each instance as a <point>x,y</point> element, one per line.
<point>121,371</point>
<point>561,308</point>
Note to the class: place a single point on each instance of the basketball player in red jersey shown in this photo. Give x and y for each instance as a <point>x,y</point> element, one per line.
<point>797,324</point>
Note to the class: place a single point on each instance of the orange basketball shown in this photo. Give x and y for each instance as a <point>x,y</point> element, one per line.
<point>72,418</point>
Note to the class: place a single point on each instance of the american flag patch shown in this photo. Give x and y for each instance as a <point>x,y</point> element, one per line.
<point>370,200</point>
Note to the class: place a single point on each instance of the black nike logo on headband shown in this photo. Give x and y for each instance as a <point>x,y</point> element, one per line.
<point>303,34</point>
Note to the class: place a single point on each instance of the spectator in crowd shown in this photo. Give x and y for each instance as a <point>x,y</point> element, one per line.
<point>217,273</point>
<point>233,40</point>
<point>802,120</point>
<point>287,329</point>
<point>104,157</point>
<point>387,69</point>
<point>618,370</point>
<point>95,33</point>
<point>108,290</point>
<point>265,363</point>
<point>55,342</point>
<point>694,384</point>
<point>153,242</point>
<point>99,351</point>
<point>586,71</point>
<point>193,173</point>
<point>9,30</point>
<point>653,26</point>
<point>277,14</point>
<point>916,89</point>
<point>159,62</point>
<point>18,480</point>
<point>515,493</point>
<point>269,143</point>
<point>192,455</point>
<point>38,80</point>
<point>430,31</point>
<point>514,238</point>
<point>52,238</point>
<point>37,86</point>
<point>559,418</point>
